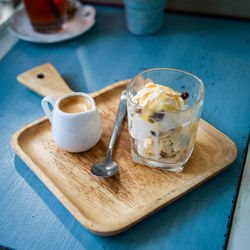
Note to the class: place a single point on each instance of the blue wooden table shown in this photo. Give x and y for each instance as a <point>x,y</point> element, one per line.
<point>216,50</point>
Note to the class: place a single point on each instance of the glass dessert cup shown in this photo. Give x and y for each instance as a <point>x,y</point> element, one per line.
<point>164,139</point>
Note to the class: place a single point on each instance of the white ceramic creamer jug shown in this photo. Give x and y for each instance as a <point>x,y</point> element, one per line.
<point>76,123</point>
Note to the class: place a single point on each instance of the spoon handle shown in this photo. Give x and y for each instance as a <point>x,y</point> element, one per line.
<point>119,118</point>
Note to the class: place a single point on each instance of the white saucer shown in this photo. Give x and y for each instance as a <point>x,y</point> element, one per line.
<point>82,21</point>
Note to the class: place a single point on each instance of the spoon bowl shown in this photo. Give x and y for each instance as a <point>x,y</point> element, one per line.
<point>105,168</point>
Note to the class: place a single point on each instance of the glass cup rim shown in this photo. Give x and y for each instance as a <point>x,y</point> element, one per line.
<point>172,112</point>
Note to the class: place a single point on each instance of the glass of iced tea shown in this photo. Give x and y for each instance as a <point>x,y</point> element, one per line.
<point>46,16</point>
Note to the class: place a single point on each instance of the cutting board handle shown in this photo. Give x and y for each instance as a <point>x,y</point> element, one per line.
<point>45,81</point>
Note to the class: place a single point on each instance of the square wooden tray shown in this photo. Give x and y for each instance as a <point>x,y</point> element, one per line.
<point>109,206</point>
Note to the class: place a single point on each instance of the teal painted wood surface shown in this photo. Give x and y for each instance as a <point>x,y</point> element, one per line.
<point>216,50</point>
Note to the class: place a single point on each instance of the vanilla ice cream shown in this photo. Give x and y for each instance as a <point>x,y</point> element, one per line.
<point>159,129</point>
<point>159,98</point>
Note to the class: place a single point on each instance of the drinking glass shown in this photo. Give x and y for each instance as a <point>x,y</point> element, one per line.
<point>164,139</point>
<point>46,16</point>
<point>144,17</point>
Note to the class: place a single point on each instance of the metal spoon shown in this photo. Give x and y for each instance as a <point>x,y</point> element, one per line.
<point>108,167</point>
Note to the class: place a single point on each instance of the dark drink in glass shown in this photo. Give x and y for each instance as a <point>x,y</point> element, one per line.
<point>46,16</point>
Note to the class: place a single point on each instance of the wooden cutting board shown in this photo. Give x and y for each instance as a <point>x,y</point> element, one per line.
<point>109,206</point>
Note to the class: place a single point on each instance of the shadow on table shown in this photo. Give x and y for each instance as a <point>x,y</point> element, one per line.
<point>162,224</point>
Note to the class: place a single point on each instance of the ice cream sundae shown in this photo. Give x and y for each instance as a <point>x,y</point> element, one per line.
<point>161,125</point>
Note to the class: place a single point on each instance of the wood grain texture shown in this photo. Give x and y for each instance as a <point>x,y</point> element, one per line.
<point>44,80</point>
<point>109,206</point>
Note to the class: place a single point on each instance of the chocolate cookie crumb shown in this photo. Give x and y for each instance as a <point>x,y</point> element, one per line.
<point>157,116</point>
<point>184,95</point>
<point>163,154</point>
<point>153,133</point>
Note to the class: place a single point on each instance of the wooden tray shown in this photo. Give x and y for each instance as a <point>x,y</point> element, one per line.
<point>109,206</point>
